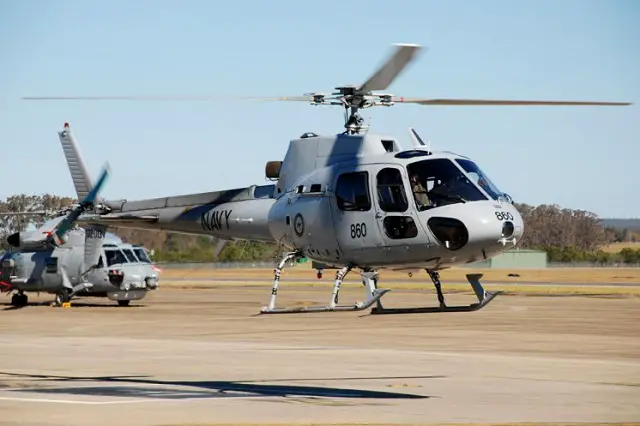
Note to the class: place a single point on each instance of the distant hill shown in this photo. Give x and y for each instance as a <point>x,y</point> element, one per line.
<point>621,224</point>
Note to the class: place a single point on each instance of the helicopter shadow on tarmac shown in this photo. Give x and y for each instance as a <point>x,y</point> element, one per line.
<point>145,387</point>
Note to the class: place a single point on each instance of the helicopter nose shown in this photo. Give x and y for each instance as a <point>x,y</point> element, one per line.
<point>479,229</point>
<point>495,230</point>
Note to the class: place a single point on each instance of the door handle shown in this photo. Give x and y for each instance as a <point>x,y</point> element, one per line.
<point>378,215</point>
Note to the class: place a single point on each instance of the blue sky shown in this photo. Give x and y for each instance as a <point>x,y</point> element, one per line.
<point>577,157</point>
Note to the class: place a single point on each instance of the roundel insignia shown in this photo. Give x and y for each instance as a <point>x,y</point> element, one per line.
<point>298,225</point>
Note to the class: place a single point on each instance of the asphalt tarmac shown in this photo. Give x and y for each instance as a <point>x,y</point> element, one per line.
<point>203,356</point>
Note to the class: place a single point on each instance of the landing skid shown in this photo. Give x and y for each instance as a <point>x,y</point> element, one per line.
<point>484,298</point>
<point>373,294</point>
<point>357,306</point>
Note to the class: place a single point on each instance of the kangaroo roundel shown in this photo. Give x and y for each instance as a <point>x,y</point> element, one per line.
<point>298,225</point>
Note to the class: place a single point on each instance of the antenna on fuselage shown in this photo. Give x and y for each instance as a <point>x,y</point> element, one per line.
<point>417,141</point>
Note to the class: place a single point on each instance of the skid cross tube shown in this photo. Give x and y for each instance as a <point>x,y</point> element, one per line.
<point>373,294</point>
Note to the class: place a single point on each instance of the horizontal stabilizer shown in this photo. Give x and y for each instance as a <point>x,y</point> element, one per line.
<point>126,220</point>
<point>114,219</point>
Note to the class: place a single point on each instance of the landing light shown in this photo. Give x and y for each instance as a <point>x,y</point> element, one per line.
<point>507,229</point>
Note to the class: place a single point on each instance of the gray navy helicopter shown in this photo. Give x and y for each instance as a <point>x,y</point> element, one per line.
<point>352,200</point>
<point>64,259</point>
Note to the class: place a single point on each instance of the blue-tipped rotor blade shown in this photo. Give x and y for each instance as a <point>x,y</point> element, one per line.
<point>93,194</point>
<point>66,224</point>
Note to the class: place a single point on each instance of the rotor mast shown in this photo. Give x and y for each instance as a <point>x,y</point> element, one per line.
<point>352,101</point>
<point>353,98</point>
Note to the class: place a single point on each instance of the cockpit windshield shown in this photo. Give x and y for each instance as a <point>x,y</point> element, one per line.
<point>142,255</point>
<point>438,182</point>
<point>480,179</point>
<point>130,256</point>
<point>114,257</point>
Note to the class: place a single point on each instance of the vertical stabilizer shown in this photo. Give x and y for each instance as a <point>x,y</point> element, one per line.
<point>79,175</point>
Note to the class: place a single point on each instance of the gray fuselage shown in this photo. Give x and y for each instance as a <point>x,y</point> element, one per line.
<point>121,268</point>
<point>350,199</point>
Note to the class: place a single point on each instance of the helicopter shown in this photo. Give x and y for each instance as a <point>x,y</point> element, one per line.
<point>351,200</point>
<point>69,261</point>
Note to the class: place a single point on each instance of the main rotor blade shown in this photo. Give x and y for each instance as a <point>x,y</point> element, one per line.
<point>128,98</point>
<point>396,99</point>
<point>420,101</point>
<point>179,98</point>
<point>391,69</point>
<point>304,98</point>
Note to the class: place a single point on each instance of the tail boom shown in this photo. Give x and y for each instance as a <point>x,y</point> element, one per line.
<point>242,220</point>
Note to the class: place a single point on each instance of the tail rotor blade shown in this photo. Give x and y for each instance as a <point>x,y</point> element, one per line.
<point>57,235</point>
<point>93,194</point>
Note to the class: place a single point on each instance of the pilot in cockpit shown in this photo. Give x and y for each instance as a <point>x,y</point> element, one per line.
<point>419,192</point>
<point>483,184</point>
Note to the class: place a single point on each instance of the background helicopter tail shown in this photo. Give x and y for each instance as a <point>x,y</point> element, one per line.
<point>94,234</point>
<point>54,231</point>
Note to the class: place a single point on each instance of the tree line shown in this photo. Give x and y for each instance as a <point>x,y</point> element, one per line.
<point>569,235</point>
<point>566,235</point>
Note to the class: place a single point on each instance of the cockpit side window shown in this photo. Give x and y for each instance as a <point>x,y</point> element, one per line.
<point>437,182</point>
<point>479,178</point>
<point>115,257</point>
<point>391,194</point>
<point>352,192</point>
